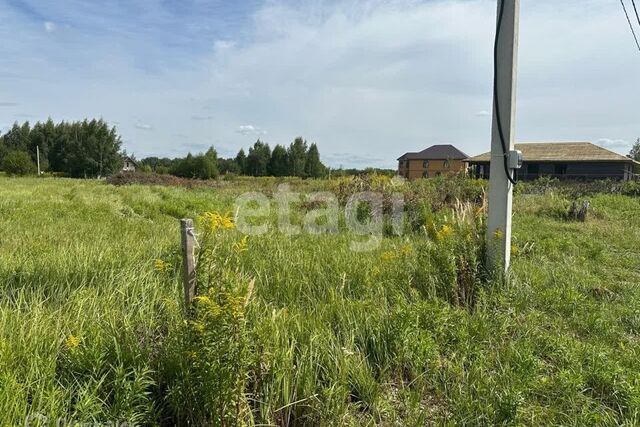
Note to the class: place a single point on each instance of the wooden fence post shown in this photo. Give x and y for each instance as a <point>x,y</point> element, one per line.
<point>188,261</point>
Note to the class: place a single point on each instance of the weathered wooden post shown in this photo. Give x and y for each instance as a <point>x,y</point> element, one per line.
<point>188,261</point>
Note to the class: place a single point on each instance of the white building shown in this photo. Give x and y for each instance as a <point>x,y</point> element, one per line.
<point>130,165</point>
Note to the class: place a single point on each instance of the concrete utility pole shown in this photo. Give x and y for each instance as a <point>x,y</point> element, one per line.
<point>500,187</point>
<point>38,157</point>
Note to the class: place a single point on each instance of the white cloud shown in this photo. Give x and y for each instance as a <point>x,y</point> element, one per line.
<point>246,129</point>
<point>614,144</point>
<point>250,130</point>
<point>144,126</point>
<point>50,27</point>
<point>201,118</point>
<point>388,77</point>
<point>222,45</point>
<point>368,77</point>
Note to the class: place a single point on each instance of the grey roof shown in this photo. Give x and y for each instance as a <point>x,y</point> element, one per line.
<point>125,158</point>
<point>561,152</point>
<point>436,152</point>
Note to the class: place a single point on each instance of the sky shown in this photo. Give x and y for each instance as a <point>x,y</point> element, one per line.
<point>367,80</point>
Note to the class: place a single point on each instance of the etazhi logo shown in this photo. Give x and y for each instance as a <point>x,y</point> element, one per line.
<point>36,420</point>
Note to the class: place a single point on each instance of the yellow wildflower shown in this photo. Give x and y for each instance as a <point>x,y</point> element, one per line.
<point>197,326</point>
<point>72,342</point>
<point>227,222</point>
<point>444,232</point>
<point>514,250</point>
<point>375,272</point>
<point>242,245</point>
<point>214,221</point>
<point>388,256</point>
<point>406,250</point>
<point>498,234</point>
<point>202,299</point>
<point>161,265</point>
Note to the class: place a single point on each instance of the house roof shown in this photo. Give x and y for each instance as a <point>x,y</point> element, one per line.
<point>561,152</point>
<point>436,152</point>
<point>130,159</point>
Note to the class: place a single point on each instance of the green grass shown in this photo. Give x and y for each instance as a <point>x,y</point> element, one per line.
<point>91,331</point>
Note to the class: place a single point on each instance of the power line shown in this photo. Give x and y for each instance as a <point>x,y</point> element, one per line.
<point>633,2</point>
<point>629,20</point>
<point>496,102</point>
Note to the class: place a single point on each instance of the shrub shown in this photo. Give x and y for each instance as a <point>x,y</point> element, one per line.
<point>453,266</point>
<point>143,178</point>
<point>18,163</point>
<point>631,188</point>
<point>202,166</point>
<point>208,379</point>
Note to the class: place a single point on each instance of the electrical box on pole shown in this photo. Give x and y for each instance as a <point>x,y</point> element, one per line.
<point>504,159</point>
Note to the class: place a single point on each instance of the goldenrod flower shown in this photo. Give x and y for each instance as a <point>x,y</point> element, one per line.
<point>197,326</point>
<point>375,272</point>
<point>161,266</point>
<point>214,221</point>
<point>444,232</point>
<point>242,245</point>
<point>388,256</point>
<point>202,299</point>
<point>72,342</point>
<point>514,250</point>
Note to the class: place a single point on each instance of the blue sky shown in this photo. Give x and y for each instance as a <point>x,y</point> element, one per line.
<point>366,79</point>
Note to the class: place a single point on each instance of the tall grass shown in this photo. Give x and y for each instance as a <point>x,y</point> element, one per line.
<point>299,330</point>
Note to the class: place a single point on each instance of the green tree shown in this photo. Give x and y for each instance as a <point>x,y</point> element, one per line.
<point>3,149</point>
<point>58,147</point>
<point>18,163</point>
<point>228,166</point>
<point>92,149</point>
<point>635,151</point>
<point>258,159</point>
<point>279,162</point>
<point>241,161</point>
<point>313,167</point>
<point>78,149</point>
<point>158,165</point>
<point>42,138</point>
<point>201,166</point>
<point>209,165</point>
<point>297,154</point>
<point>16,139</point>
<point>635,155</point>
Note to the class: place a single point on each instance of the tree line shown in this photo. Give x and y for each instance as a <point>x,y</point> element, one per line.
<point>299,159</point>
<point>75,149</point>
<point>91,148</point>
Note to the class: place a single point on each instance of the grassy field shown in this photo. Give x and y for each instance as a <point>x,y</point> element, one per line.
<point>300,330</point>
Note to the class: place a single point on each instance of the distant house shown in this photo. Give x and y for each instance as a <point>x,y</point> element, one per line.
<point>435,160</point>
<point>129,164</point>
<point>563,160</point>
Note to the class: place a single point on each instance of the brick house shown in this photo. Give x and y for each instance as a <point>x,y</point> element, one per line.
<point>433,161</point>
